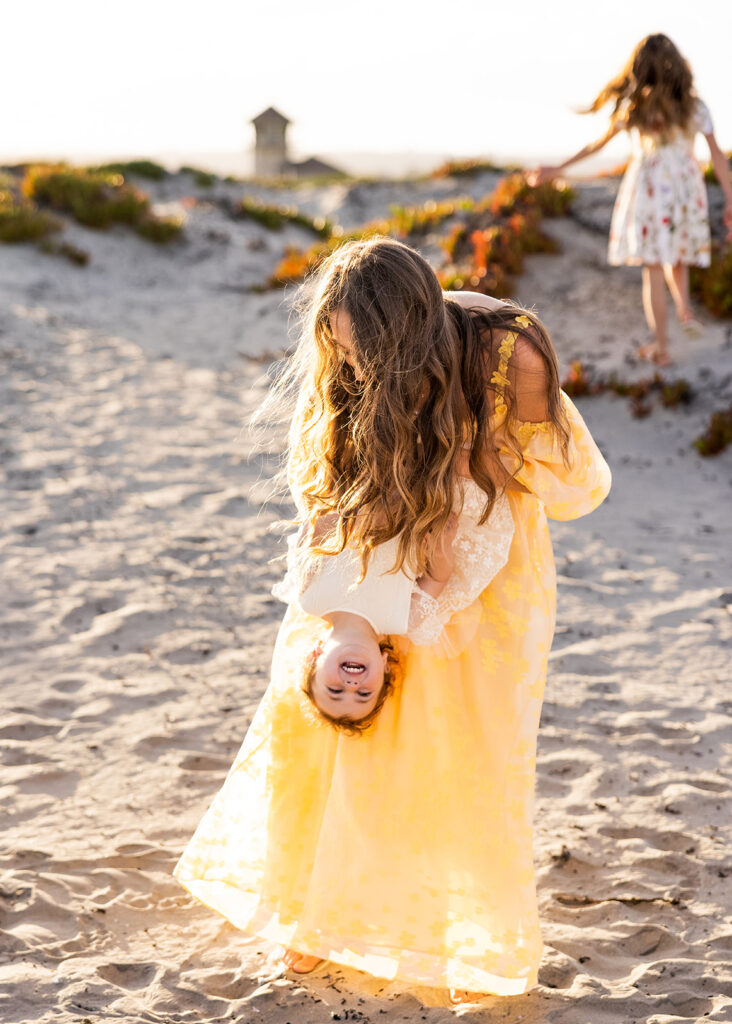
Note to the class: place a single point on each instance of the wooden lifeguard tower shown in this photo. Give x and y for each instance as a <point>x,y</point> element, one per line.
<point>270,145</point>
<point>271,159</point>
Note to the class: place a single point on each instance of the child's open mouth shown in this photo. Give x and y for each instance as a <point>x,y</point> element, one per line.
<point>353,668</point>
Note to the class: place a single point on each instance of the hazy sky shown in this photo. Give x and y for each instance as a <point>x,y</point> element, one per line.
<point>83,77</point>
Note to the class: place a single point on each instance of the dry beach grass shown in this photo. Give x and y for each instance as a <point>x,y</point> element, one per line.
<point>136,628</point>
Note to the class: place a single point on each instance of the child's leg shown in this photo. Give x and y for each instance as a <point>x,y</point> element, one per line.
<point>654,306</point>
<point>677,279</point>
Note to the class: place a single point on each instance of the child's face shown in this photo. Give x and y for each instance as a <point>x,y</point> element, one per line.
<point>349,676</point>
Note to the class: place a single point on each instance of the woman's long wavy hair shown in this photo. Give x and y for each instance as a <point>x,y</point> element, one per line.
<point>655,90</point>
<point>380,456</point>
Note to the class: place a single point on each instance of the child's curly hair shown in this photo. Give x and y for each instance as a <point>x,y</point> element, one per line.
<point>344,723</point>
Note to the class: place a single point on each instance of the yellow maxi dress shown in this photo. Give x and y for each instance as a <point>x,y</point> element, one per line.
<point>407,852</point>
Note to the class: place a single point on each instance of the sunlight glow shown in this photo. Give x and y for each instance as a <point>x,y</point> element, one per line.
<point>498,80</point>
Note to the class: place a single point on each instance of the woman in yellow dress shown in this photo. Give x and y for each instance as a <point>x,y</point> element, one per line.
<point>406,852</point>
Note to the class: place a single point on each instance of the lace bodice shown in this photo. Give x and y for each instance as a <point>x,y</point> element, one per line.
<point>394,603</point>
<point>480,553</point>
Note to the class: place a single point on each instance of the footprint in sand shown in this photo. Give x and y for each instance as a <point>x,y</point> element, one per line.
<point>205,763</point>
<point>27,728</point>
<point>130,976</point>
<point>69,685</point>
<point>80,618</point>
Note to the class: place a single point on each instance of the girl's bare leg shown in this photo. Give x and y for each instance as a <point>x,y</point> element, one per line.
<point>654,306</point>
<point>677,279</point>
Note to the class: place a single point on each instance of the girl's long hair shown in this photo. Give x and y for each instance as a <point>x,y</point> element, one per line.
<point>655,90</point>
<point>379,457</point>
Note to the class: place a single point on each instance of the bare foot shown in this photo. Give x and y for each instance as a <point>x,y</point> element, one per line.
<point>663,359</point>
<point>654,354</point>
<point>300,963</point>
<point>647,352</point>
<point>459,996</point>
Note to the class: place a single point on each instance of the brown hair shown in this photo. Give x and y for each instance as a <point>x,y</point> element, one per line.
<point>382,453</point>
<point>344,723</point>
<point>654,91</point>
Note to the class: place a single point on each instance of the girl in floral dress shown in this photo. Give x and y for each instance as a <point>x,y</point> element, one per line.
<point>406,852</point>
<point>660,220</point>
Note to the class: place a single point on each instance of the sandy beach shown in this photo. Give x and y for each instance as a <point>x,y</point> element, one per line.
<point>137,626</point>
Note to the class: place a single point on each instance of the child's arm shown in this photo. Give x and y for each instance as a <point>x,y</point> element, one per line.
<point>301,571</point>
<point>721,169</point>
<point>441,561</point>
<point>542,174</point>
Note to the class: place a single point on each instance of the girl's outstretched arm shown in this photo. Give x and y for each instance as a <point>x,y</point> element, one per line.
<point>542,174</point>
<point>721,169</point>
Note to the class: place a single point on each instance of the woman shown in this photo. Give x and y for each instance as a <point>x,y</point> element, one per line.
<point>406,852</point>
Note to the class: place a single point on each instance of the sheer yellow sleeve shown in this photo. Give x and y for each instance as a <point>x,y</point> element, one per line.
<point>568,490</point>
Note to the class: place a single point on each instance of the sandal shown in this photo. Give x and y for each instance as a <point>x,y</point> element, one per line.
<point>692,327</point>
<point>652,355</point>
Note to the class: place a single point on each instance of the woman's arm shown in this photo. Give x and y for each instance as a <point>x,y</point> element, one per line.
<point>441,561</point>
<point>471,300</point>
<point>542,174</point>
<point>721,169</point>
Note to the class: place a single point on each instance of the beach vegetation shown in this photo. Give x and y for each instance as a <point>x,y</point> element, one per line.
<point>8,181</point>
<point>96,199</point>
<point>576,382</point>
<point>487,248</point>
<point>22,221</point>
<point>466,169</point>
<point>159,229</point>
<point>93,198</point>
<point>141,168</point>
<point>55,247</point>
<point>581,380</point>
<point>514,191</point>
<point>404,222</point>
<point>275,216</point>
<point>203,179</point>
<point>484,248</point>
<point>713,284</point>
<point>718,434</point>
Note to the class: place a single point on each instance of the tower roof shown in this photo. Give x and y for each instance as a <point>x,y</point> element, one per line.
<point>271,115</point>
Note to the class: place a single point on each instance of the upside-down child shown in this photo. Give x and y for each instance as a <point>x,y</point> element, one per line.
<point>349,673</point>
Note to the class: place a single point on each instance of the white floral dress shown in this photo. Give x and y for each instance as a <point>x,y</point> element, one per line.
<point>661,214</point>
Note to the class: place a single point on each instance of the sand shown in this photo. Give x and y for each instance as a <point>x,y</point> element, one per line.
<point>136,629</point>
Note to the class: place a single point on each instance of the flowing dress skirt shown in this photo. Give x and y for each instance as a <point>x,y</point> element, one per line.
<point>407,852</point>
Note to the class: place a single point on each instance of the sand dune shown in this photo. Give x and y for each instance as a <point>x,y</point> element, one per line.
<point>136,628</point>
